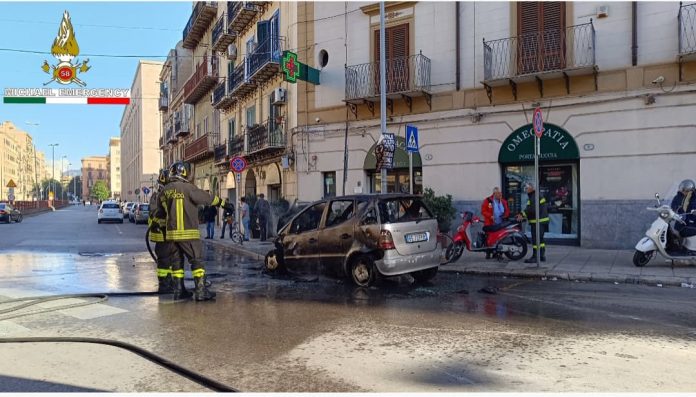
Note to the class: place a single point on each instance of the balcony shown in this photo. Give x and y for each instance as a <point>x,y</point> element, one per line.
<point>407,77</point>
<point>169,134</point>
<point>236,146</point>
<point>239,82</point>
<point>202,81</point>
<point>222,35</point>
<point>222,97</point>
<point>203,14</point>
<point>182,123</point>
<point>161,143</point>
<point>264,61</point>
<point>539,56</point>
<point>199,149</point>
<point>164,97</point>
<point>266,139</point>
<point>687,34</point>
<point>220,154</point>
<point>241,13</point>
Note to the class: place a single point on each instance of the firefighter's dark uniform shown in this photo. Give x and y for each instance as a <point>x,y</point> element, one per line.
<point>543,219</point>
<point>180,201</point>
<point>165,252</point>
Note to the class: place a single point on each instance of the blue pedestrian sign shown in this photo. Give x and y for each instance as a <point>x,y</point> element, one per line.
<point>146,190</point>
<point>412,139</point>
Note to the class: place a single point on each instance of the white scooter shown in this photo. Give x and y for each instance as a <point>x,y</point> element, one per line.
<point>665,239</point>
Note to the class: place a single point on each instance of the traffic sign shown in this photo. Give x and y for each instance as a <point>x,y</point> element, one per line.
<point>238,164</point>
<point>538,123</point>
<point>137,191</point>
<point>11,183</point>
<point>412,138</point>
<point>146,190</point>
<point>11,197</point>
<point>239,177</point>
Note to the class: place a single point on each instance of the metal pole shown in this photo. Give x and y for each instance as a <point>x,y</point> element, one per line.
<point>410,172</point>
<point>53,168</point>
<point>382,88</point>
<point>537,149</point>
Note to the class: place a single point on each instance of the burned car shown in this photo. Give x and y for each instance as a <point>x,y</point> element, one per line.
<point>361,237</point>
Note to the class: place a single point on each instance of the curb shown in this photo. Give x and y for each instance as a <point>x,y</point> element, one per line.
<point>236,249</point>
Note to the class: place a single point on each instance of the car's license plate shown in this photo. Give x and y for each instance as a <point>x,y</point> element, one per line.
<point>416,237</point>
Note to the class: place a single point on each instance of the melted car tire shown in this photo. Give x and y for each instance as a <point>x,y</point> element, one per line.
<point>271,263</point>
<point>363,271</point>
<point>424,275</point>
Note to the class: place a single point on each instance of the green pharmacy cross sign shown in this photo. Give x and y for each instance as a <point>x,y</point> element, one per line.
<point>294,70</point>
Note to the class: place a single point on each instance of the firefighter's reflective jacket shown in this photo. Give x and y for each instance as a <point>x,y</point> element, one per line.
<point>158,217</point>
<point>529,212</point>
<point>180,201</point>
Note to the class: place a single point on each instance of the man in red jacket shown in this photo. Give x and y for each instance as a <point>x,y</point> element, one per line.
<point>494,210</point>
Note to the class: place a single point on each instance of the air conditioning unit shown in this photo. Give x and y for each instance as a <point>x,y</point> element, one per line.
<point>278,96</point>
<point>232,52</point>
<point>602,11</point>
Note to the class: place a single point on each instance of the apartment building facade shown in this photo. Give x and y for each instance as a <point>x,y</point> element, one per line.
<point>612,80</point>
<point>115,167</point>
<point>238,103</point>
<point>141,128</point>
<point>94,168</point>
<point>19,162</point>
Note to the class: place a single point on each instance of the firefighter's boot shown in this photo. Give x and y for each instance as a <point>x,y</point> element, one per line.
<point>180,292</point>
<point>542,251</point>
<point>165,284</point>
<point>202,293</point>
<point>532,259</point>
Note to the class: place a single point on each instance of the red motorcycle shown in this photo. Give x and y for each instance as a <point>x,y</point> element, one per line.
<point>505,238</point>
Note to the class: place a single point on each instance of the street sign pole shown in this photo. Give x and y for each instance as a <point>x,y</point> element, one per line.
<point>382,88</point>
<point>538,126</point>
<point>410,172</point>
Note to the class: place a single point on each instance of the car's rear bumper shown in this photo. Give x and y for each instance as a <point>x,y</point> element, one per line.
<point>4,218</point>
<point>394,264</point>
<point>110,218</point>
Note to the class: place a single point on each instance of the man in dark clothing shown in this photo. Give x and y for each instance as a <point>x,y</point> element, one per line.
<point>227,219</point>
<point>542,219</point>
<point>263,212</point>
<point>180,200</point>
<point>210,213</point>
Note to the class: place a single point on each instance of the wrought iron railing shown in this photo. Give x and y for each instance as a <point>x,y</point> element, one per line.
<point>405,74</point>
<point>236,145</point>
<point>266,135</point>
<point>206,71</point>
<point>198,148</point>
<point>270,50</point>
<point>235,7</point>
<point>220,152</point>
<point>219,93</point>
<point>182,122</point>
<point>537,52</point>
<point>687,29</point>
<point>238,76</point>
<point>197,9</point>
<point>164,96</point>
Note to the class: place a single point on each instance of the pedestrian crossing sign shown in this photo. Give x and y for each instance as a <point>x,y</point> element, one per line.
<point>412,138</point>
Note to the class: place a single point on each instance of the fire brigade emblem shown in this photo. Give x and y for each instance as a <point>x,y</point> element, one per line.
<point>65,49</point>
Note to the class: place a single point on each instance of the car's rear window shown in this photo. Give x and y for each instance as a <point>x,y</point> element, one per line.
<point>407,209</point>
<point>110,206</point>
<point>2,206</point>
<point>144,207</point>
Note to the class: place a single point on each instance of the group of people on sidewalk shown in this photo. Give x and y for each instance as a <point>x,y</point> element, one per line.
<point>262,209</point>
<point>495,210</point>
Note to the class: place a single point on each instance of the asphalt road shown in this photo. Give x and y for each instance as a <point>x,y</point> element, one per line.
<point>308,332</point>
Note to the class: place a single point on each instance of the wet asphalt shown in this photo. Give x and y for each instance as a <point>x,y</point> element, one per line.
<point>312,332</point>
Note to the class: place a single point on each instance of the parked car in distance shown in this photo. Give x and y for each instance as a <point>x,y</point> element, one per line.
<point>109,211</point>
<point>142,212</point>
<point>361,237</point>
<point>126,209</point>
<point>8,213</point>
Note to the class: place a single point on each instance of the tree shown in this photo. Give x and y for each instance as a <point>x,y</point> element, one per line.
<point>100,191</point>
<point>49,184</point>
<point>75,186</point>
<point>442,208</point>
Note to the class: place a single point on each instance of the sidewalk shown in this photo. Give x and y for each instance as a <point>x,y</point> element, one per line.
<point>562,263</point>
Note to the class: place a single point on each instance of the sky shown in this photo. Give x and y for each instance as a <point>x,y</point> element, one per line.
<point>145,29</point>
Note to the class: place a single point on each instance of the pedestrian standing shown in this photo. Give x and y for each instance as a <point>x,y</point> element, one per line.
<point>244,213</point>
<point>181,199</point>
<point>542,219</point>
<point>263,211</point>
<point>209,213</point>
<point>228,219</point>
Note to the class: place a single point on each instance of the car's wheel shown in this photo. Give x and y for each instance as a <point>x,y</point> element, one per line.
<point>520,246</point>
<point>99,221</point>
<point>121,221</point>
<point>19,220</point>
<point>237,238</point>
<point>363,271</point>
<point>272,262</point>
<point>425,275</point>
<point>641,258</point>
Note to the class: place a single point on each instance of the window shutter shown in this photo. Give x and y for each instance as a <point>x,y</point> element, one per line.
<point>553,34</point>
<point>541,36</point>
<point>528,46</point>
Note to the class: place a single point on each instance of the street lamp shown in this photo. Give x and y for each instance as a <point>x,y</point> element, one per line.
<point>62,172</point>
<point>73,193</point>
<point>53,168</point>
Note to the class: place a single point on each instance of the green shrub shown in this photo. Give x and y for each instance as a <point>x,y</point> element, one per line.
<point>441,207</point>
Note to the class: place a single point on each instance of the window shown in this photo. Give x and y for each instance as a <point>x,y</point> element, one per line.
<point>396,49</point>
<point>230,129</point>
<point>329,184</point>
<point>205,125</point>
<point>309,219</point>
<point>251,116</point>
<point>403,210</point>
<point>540,30</point>
<point>341,211</point>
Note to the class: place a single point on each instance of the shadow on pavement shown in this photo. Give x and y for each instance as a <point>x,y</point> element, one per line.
<point>11,384</point>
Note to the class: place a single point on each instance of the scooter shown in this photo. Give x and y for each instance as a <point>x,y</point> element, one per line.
<point>503,239</point>
<point>663,238</point>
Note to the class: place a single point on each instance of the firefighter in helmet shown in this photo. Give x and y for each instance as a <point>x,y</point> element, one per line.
<point>180,199</point>
<point>165,251</point>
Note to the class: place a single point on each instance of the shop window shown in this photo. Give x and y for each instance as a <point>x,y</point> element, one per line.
<point>329,184</point>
